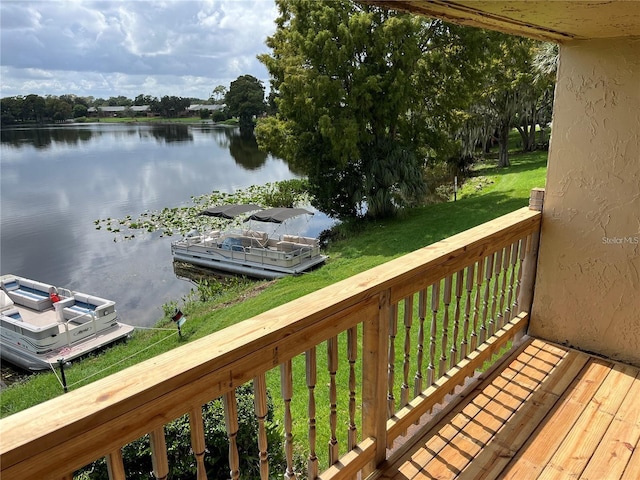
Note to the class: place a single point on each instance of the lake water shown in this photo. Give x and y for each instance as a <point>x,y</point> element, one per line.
<point>56,181</point>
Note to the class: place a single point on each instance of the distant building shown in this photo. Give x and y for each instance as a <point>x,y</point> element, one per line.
<point>105,111</point>
<point>212,108</point>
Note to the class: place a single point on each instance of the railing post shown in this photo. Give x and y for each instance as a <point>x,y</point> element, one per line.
<point>286,390</point>
<point>231,424</point>
<point>198,443</point>
<point>375,334</point>
<point>260,404</point>
<point>115,465</point>
<point>529,265</point>
<point>159,454</point>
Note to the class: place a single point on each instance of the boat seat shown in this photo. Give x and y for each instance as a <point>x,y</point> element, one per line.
<point>303,240</point>
<point>33,299</point>
<point>292,246</point>
<point>28,293</point>
<point>12,313</point>
<point>256,234</point>
<point>85,305</point>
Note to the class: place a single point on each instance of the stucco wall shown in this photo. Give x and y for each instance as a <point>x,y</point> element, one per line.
<point>588,284</point>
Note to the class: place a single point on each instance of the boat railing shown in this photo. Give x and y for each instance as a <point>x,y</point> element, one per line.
<point>65,293</point>
<point>79,321</point>
<point>372,353</point>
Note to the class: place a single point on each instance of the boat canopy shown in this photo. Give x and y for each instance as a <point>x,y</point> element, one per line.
<point>278,215</point>
<point>230,211</point>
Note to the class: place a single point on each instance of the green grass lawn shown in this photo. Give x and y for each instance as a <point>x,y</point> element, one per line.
<point>489,193</point>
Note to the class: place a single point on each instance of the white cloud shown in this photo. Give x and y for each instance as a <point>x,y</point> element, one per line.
<point>177,47</point>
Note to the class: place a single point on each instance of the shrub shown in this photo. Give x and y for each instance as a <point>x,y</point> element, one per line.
<point>182,462</point>
<point>286,193</point>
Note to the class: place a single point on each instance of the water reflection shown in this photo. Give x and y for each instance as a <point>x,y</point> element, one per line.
<point>172,133</point>
<point>43,137</point>
<point>244,150</point>
<point>75,134</point>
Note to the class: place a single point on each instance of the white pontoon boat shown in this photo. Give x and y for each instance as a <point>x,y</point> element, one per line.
<point>41,324</point>
<point>249,252</point>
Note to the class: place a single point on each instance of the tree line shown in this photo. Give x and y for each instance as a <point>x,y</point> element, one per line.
<point>243,99</point>
<point>50,108</point>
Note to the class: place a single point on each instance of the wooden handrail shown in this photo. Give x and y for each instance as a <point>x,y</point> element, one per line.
<point>116,410</point>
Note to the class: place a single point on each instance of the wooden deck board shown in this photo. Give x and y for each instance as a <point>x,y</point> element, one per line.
<point>551,412</point>
<point>575,451</point>
<point>490,463</point>
<point>633,467</point>
<point>620,440</point>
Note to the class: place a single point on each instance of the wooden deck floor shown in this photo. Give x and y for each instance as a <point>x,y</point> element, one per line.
<point>551,413</point>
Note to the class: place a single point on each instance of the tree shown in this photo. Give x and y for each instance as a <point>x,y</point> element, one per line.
<point>170,106</point>
<point>79,110</point>
<point>10,110</point>
<point>245,99</point>
<point>34,108</point>
<point>545,66</point>
<point>143,100</point>
<point>119,101</point>
<point>512,95</point>
<point>362,103</point>
<point>218,94</point>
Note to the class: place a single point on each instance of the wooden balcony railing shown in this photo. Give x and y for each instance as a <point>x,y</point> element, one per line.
<point>414,327</point>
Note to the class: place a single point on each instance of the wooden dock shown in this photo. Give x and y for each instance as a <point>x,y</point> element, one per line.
<point>550,413</point>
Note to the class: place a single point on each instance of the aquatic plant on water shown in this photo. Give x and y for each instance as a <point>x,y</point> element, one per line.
<point>181,220</point>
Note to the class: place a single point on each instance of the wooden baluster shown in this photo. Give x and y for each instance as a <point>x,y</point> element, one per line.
<point>260,407</point>
<point>231,422</point>
<point>422,313</point>
<point>467,312</point>
<point>391,362</point>
<point>311,367</point>
<point>453,354</point>
<point>488,272</point>
<point>332,359</point>
<point>159,454</point>
<point>408,320</point>
<point>523,252</point>
<point>286,390</point>
<point>115,466</point>
<point>198,444</point>
<point>352,356</point>
<point>442,367</point>
<point>476,307</point>
<point>503,289</point>
<point>509,313</point>
<point>435,301</point>
<point>496,289</point>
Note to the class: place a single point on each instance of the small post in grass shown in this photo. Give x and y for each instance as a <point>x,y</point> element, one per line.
<point>64,379</point>
<point>455,188</point>
<point>179,318</point>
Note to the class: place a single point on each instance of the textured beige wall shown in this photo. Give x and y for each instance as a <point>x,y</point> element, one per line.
<point>588,284</point>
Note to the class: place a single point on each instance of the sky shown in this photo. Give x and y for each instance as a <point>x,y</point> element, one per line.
<point>109,48</point>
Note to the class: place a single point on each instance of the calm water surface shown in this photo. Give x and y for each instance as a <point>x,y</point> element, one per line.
<point>56,181</point>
